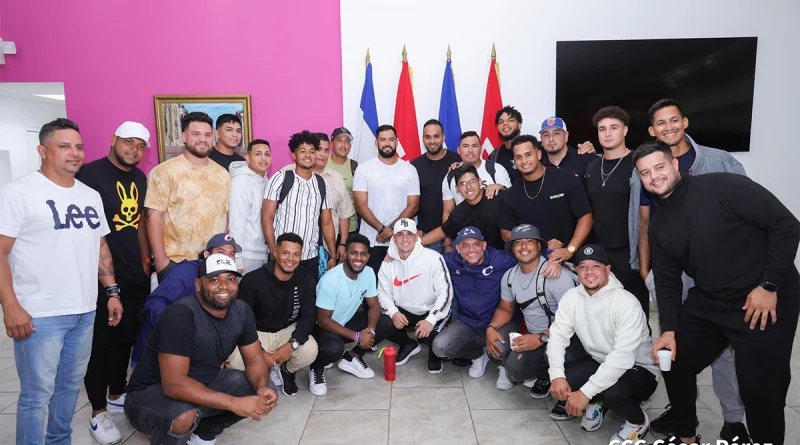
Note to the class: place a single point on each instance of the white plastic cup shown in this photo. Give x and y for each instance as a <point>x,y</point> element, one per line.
<point>665,359</point>
<point>511,337</point>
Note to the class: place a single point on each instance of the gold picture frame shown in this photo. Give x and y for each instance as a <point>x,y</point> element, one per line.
<point>169,110</point>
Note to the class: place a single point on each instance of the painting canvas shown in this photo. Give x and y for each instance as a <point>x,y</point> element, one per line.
<point>170,109</point>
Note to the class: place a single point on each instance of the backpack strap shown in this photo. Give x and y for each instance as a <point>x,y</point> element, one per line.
<point>288,182</point>
<point>322,189</point>
<point>495,153</point>
<point>491,168</point>
<point>353,166</point>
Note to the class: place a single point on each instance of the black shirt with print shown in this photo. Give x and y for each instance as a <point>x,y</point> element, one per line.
<point>223,159</point>
<point>483,215</point>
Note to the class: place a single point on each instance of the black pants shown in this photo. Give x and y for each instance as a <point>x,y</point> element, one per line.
<point>631,279</point>
<point>625,396</point>
<point>331,346</point>
<point>400,337</point>
<point>705,328</point>
<point>311,268</point>
<point>107,371</point>
<point>376,256</point>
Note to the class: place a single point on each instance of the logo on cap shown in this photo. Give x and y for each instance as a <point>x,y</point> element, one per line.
<point>404,222</point>
<point>588,251</point>
<point>524,228</point>
<point>228,237</point>
<point>551,121</point>
<point>225,262</point>
<point>468,231</point>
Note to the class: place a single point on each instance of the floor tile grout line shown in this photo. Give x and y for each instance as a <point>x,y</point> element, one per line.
<point>469,408</point>
<point>389,417</point>
<point>307,419</point>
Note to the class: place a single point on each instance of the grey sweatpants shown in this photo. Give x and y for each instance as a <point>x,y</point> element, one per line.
<point>723,370</point>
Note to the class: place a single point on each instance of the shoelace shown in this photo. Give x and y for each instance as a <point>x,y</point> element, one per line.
<point>361,362</point>
<point>105,421</point>
<point>319,376</point>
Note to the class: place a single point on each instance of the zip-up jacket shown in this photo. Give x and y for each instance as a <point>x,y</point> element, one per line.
<point>244,210</point>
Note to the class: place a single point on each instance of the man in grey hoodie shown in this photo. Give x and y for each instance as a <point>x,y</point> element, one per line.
<point>248,179</point>
<point>668,124</point>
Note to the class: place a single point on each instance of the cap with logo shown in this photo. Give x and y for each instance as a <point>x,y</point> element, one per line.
<point>525,231</point>
<point>468,232</point>
<point>130,129</point>
<point>592,252</point>
<point>340,131</point>
<point>222,239</point>
<point>216,264</point>
<point>553,122</point>
<point>405,225</point>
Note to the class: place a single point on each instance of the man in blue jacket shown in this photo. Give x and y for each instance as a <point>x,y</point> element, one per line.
<point>176,285</point>
<point>476,271</point>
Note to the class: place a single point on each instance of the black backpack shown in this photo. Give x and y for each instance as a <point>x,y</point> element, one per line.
<point>288,182</point>
<point>490,168</point>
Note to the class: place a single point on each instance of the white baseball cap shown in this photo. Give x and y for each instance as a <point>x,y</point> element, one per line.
<point>130,129</point>
<point>405,224</point>
<point>216,264</point>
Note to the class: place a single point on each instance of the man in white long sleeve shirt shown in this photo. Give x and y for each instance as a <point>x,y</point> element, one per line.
<point>415,291</point>
<point>618,373</point>
<point>248,181</point>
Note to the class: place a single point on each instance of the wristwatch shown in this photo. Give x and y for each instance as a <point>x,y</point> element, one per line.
<point>294,344</point>
<point>572,249</point>
<point>769,286</point>
<point>544,338</point>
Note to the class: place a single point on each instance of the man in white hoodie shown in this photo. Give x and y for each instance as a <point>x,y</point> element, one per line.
<point>618,373</point>
<point>414,290</point>
<point>248,179</point>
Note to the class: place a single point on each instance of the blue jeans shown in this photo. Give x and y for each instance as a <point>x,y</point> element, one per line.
<point>51,364</point>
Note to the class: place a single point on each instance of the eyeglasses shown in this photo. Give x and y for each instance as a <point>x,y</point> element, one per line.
<point>470,183</point>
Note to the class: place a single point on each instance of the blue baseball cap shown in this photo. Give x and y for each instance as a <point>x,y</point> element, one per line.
<point>222,239</point>
<point>469,232</point>
<point>553,122</point>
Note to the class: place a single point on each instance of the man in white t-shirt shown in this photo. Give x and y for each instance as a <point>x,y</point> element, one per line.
<point>493,176</point>
<point>385,189</point>
<point>52,251</point>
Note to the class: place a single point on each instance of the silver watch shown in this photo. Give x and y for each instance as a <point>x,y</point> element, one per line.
<point>544,338</point>
<point>294,343</point>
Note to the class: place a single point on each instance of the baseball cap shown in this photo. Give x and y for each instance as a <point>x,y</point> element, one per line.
<point>592,252</point>
<point>468,232</point>
<point>222,239</point>
<point>130,129</point>
<point>525,231</point>
<point>216,264</point>
<point>341,130</point>
<point>405,224</point>
<point>553,122</point>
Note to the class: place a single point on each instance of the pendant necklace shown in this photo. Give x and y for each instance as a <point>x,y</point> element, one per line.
<point>603,176</point>
<point>540,186</point>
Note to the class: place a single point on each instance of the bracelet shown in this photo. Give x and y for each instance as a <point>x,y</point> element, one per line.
<point>342,244</point>
<point>112,289</point>
<point>115,296</point>
<point>358,337</point>
<point>382,229</point>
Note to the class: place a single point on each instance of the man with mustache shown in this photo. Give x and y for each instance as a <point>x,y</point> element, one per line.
<point>229,137</point>
<point>554,136</point>
<point>187,198</point>
<point>179,393</point>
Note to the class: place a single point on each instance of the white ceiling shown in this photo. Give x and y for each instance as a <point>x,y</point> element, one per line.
<point>26,91</point>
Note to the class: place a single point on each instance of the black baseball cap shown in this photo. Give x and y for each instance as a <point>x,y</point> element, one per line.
<point>592,252</point>
<point>340,131</point>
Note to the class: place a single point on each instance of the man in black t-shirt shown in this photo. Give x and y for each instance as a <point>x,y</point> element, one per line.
<point>551,199</point>
<point>431,169</point>
<point>554,136</point>
<point>122,187</point>
<point>229,138</point>
<point>179,388</point>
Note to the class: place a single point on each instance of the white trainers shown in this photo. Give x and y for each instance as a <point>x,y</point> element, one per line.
<point>196,440</point>
<point>103,429</point>
<point>316,382</point>
<point>503,382</point>
<point>275,375</point>
<point>529,383</point>
<point>593,417</point>
<point>356,366</point>
<point>632,432</point>
<point>478,367</point>
<point>116,406</point>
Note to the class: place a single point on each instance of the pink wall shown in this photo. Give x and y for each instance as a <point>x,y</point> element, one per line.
<point>113,56</point>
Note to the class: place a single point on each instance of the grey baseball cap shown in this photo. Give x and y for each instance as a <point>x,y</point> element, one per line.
<point>525,231</point>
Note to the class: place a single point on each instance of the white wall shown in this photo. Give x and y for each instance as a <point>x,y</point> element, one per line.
<point>525,33</point>
<point>17,117</point>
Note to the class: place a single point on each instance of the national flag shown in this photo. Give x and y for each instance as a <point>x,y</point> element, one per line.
<point>367,122</point>
<point>405,116</point>
<point>491,105</point>
<point>448,109</point>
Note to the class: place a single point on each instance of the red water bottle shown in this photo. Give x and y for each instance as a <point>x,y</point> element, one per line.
<point>389,363</point>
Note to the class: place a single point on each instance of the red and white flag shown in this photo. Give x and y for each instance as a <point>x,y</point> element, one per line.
<point>405,116</point>
<point>491,105</point>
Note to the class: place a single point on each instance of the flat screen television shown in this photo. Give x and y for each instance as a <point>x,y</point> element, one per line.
<point>711,78</point>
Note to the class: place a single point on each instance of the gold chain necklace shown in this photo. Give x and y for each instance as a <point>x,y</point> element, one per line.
<point>540,186</point>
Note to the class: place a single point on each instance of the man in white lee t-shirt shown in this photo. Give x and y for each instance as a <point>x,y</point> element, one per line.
<point>385,189</point>
<point>52,250</point>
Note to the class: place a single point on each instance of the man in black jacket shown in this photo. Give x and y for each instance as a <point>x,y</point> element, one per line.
<point>283,299</point>
<point>739,243</point>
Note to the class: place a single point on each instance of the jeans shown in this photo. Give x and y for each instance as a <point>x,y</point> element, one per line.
<point>460,340</point>
<point>400,337</point>
<point>522,366</point>
<point>51,364</point>
<point>152,412</point>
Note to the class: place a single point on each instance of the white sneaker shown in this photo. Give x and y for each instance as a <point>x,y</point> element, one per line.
<point>529,383</point>
<point>356,366</point>
<point>632,432</point>
<point>478,367</point>
<point>646,404</point>
<point>116,406</point>
<point>103,429</point>
<point>316,382</point>
<point>329,365</point>
<point>503,382</point>
<point>275,375</point>
<point>593,417</point>
<point>196,440</point>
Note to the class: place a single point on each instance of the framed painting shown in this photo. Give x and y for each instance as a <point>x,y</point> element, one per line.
<point>170,109</point>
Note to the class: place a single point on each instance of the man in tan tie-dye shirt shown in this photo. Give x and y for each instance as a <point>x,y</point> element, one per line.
<point>187,197</point>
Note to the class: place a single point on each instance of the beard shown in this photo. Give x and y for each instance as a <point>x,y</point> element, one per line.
<point>387,155</point>
<point>436,150</point>
<point>197,153</point>
<point>509,137</point>
<point>209,299</point>
<point>123,162</point>
<point>349,265</point>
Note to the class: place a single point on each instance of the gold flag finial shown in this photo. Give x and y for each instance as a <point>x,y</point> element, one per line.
<point>367,63</point>
<point>448,53</point>
<point>494,53</point>
<point>405,53</point>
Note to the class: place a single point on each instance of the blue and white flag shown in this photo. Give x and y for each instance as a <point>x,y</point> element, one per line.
<point>367,122</point>
<point>448,110</point>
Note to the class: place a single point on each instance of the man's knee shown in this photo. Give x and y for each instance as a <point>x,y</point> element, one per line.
<point>304,355</point>
<point>330,349</point>
<point>184,423</point>
<point>441,344</point>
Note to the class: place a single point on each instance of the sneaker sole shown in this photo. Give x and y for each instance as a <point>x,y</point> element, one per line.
<point>354,373</point>
<point>435,371</point>
<point>320,394</point>
<point>416,351</point>
<point>283,390</point>
<point>539,396</point>
<point>100,442</point>
<point>504,388</point>
<point>559,418</point>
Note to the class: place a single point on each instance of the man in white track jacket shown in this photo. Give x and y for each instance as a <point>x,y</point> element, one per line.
<point>248,180</point>
<point>414,289</point>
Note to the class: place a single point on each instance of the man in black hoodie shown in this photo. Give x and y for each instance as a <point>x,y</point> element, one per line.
<point>739,243</point>
<point>283,298</point>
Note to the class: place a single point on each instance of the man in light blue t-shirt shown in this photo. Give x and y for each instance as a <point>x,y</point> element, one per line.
<point>340,293</point>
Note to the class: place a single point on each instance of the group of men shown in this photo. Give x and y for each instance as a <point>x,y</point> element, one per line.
<point>539,258</point>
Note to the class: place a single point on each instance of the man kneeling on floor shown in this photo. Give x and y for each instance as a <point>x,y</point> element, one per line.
<point>340,293</point>
<point>179,392</point>
<point>619,373</point>
<point>415,291</point>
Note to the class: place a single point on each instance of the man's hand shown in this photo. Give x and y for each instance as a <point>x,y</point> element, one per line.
<point>559,388</point>
<point>644,273</point>
<point>341,254</point>
<point>399,320</point>
<point>251,406</point>
<point>366,339</point>
<point>388,258</point>
<point>666,341</point>
<point>554,244</point>
<point>384,235</point>
<point>559,255</point>
<point>760,303</point>
<point>492,337</point>
<point>161,263</point>
<point>424,328</point>
<point>527,342</point>
<point>586,148</point>
<point>114,311</point>
<point>269,396</point>
<point>453,166</point>
<point>18,322</point>
<point>576,403</point>
<point>552,270</point>
<point>492,190</point>
<point>331,263</point>
<point>269,359</point>
<point>282,354</point>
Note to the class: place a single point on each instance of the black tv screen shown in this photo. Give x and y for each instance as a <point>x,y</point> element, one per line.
<point>711,78</point>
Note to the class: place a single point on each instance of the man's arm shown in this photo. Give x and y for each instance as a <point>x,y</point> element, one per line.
<point>144,245</point>
<point>155,235</point>
<point>385,295</point>
<point>268,209</point>
<point>18,322</point>
<point>239,206</point>
<point>308,312</point>
<point>374,312</point>
<point>644,245</point>
<point>561,331</point>
<point>442,291</point>
<point>328,234</point>
<point>503,314</point>
<point>361,199</point>
<point>105,273</point>
<point>327,323</point>
<point>447,207</point>
<point>255,368</point>
<point>434,236</point>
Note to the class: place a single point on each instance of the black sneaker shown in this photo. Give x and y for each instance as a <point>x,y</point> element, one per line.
<point>407,351</point>
<point>289,385</point>
<point>541,389</point>
<point>559,412</point>
<point>434,363</point>
<point>665,423</point>
<point>462,362</point>
<point>732,429</point>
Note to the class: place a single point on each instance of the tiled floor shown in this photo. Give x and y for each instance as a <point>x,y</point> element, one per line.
<point>418,408</point>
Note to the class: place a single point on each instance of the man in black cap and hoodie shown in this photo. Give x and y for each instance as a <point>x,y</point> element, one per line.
<point>283,299</point>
